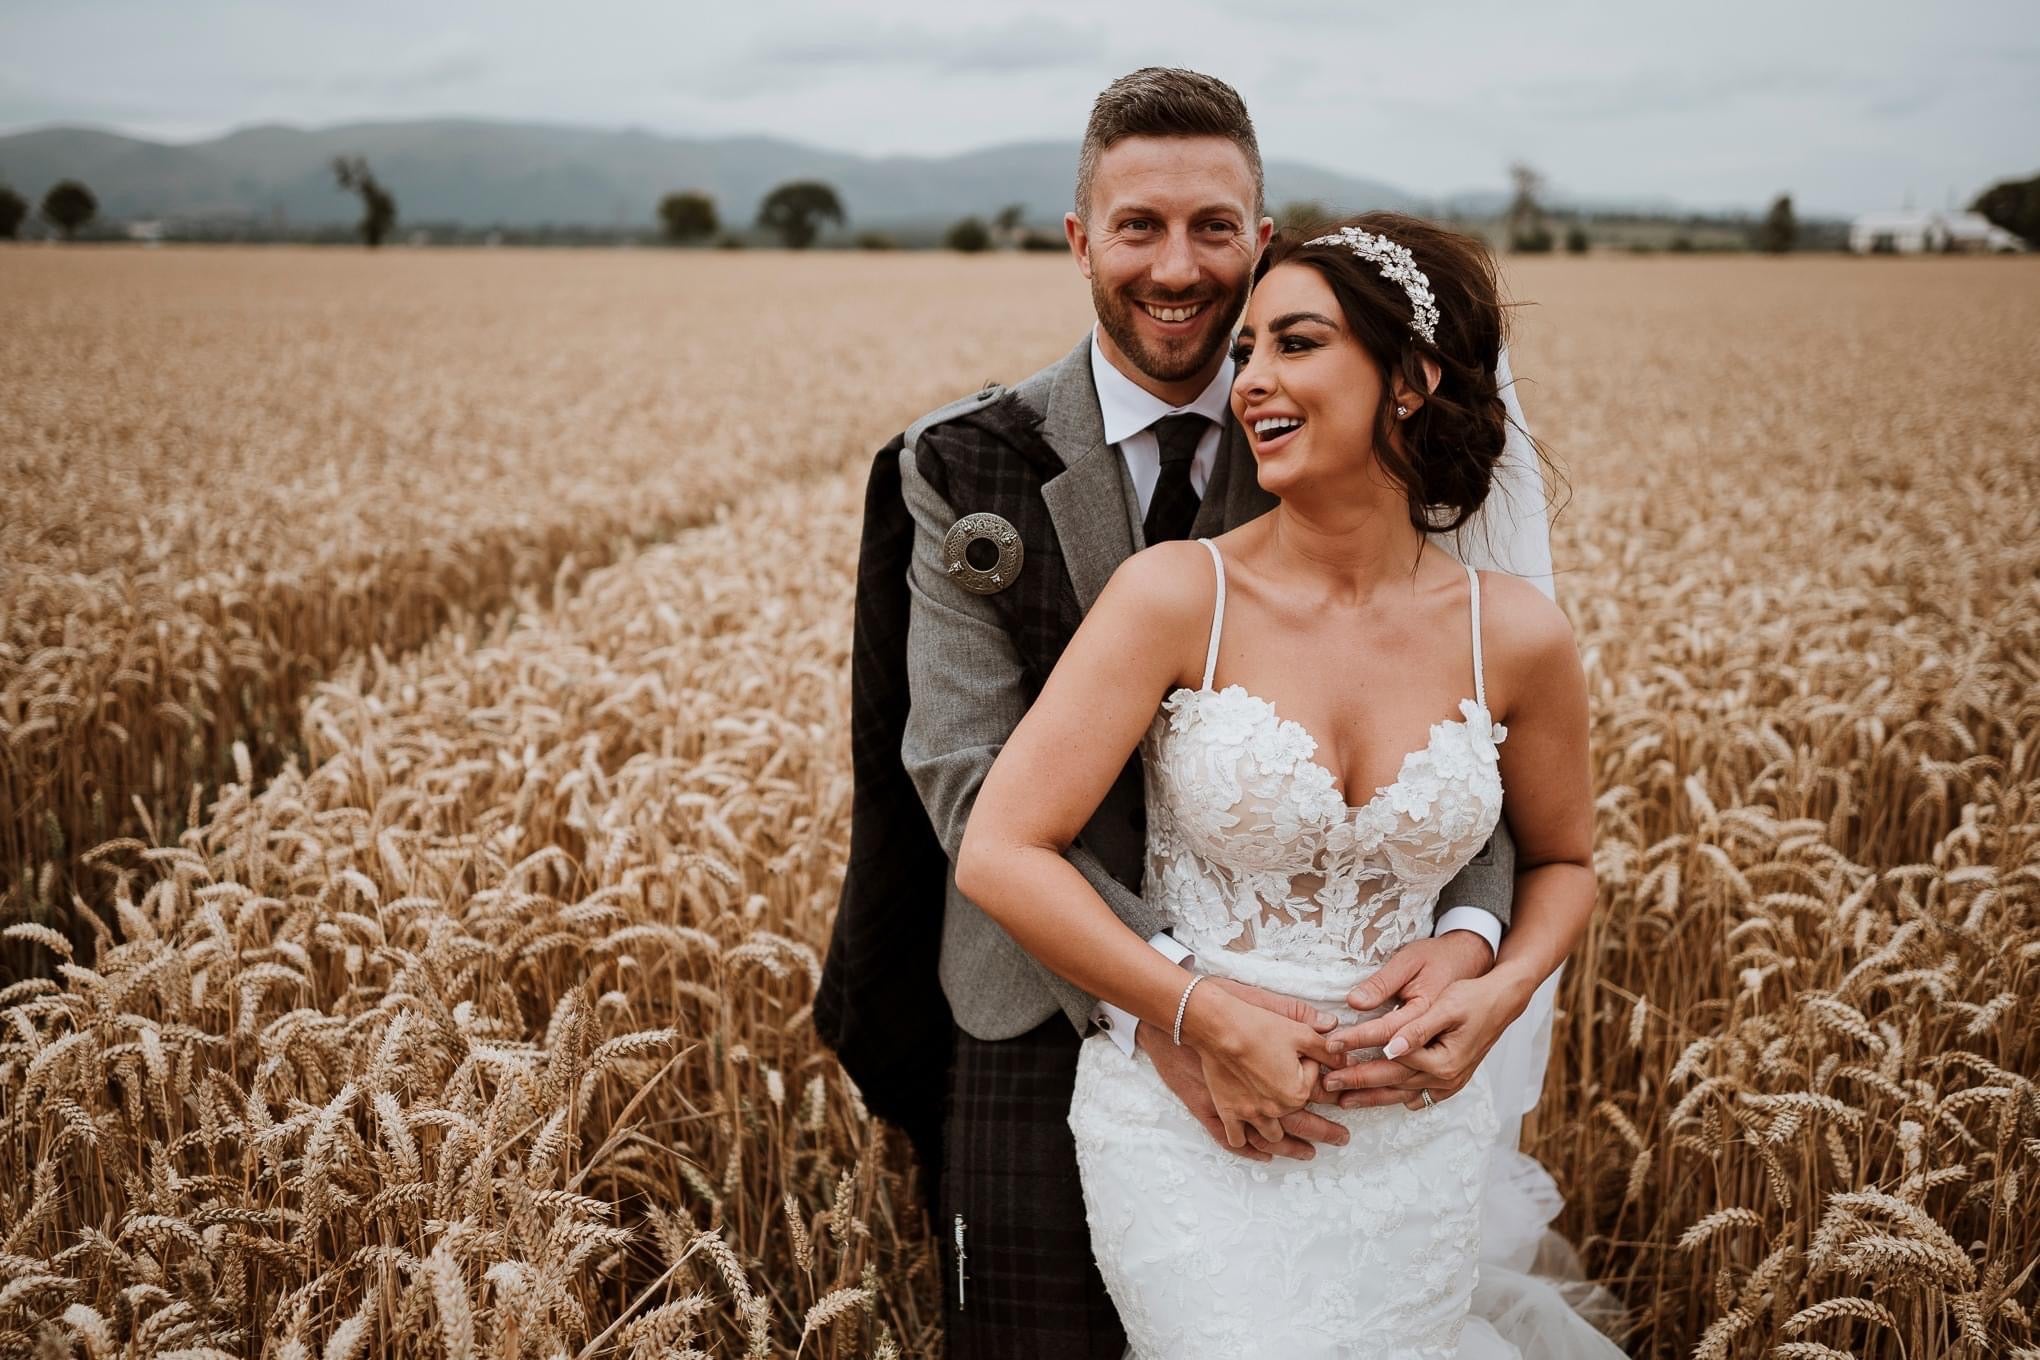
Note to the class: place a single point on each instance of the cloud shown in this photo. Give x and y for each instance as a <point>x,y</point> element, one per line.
<point>1650,93</point>
<point>1616,100</point>
<point>1905,103</point>
<point>24,103</point>
<point>1021,44</point>
<point>2016,54</point>
<point>434,67</point>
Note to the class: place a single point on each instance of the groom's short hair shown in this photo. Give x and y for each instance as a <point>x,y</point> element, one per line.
<point>1166,101</point>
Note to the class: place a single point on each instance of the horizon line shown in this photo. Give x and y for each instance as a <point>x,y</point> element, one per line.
<point>1557,196</point>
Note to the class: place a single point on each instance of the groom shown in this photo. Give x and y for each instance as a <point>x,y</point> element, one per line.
<point>991,526</point>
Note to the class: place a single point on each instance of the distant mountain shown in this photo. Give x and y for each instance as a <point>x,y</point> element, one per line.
<point>484,173</point>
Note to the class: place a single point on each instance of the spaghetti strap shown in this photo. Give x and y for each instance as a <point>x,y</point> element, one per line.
<point>1479,679</point>
<point>1217,615</point>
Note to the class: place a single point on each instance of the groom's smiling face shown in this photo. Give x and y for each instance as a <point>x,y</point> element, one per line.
<point>1169,246</point>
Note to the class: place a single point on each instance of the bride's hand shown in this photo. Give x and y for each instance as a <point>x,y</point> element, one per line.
<point>1259,1066</point>
<point>1432,1046</point>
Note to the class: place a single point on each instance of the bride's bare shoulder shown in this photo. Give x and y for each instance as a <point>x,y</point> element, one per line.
<point>1173,579</point>
<point>1524,633</point>
<point>1156,611</point>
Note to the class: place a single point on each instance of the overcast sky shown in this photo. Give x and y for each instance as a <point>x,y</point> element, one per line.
<point>1713,102</point>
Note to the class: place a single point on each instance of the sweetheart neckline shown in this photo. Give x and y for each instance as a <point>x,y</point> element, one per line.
<point>1311,759</point>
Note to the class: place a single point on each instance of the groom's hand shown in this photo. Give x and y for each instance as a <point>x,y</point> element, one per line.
<point>1414,978</point>
<point>1435,1049</point>
<point>1182,1071</point>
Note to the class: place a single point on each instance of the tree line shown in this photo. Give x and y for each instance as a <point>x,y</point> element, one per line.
<point>68,206</point>
<point>796,212</point>
<point>1528,225</point>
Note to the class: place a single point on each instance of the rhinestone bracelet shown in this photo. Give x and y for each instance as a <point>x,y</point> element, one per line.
<point>1182,1005</point>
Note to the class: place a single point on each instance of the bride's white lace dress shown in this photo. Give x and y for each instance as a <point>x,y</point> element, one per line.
<point>1372,1249</point>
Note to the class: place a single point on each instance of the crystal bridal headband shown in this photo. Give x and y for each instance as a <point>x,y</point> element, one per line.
<point>1397,266</point>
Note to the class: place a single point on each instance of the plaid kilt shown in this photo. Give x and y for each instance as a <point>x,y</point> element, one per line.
<point>1031,1288</point>
<point>879,1006</point>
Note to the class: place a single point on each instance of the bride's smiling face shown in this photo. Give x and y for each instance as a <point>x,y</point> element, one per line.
<point>1306,391</point>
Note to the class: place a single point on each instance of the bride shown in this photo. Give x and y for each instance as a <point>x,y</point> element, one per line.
<point>1333,715</point>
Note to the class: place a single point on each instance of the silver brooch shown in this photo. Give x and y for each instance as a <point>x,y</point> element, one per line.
<point>982,553</point>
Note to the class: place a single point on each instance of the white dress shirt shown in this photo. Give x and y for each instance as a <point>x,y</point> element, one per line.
<point>1130,412</point>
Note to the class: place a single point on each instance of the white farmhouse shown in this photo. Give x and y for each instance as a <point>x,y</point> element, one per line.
<point>1974,232</point>
<point>1907,232</point>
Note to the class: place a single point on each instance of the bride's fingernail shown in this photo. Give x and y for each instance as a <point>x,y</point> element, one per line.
<point>1396,1047</point>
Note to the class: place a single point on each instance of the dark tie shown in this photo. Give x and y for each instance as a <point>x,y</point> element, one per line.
<point>1173,508</point>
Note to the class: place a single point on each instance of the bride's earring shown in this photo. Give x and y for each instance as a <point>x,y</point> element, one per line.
<point>1402,412</point>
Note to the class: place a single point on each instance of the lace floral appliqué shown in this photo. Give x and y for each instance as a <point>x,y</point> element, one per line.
<point>1252,847</point>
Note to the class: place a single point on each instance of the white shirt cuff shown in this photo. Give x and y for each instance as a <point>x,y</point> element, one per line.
<point>1119,1025</point>
<point>1481,923</point>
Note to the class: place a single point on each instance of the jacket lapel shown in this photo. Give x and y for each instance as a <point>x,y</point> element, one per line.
<point>1090,501</point>
<point>1234,495</point>
<point>1087,500</point>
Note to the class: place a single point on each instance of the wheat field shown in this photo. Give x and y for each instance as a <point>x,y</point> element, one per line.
<point>231,470</point>
<point>498,604</point>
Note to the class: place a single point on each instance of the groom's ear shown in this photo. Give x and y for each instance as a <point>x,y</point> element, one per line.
<point>1079,238</point>
<point>1264,234</point>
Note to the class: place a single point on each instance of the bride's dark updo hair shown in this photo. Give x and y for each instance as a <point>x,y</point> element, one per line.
<point>1450,444</point>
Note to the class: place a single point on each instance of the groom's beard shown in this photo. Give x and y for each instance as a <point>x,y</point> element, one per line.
<point>1172,360</point>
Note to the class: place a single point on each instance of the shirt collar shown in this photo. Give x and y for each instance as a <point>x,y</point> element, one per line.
<point>1129,408</point>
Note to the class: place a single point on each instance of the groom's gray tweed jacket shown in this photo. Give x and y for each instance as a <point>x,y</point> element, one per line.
<point>975,662</point>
